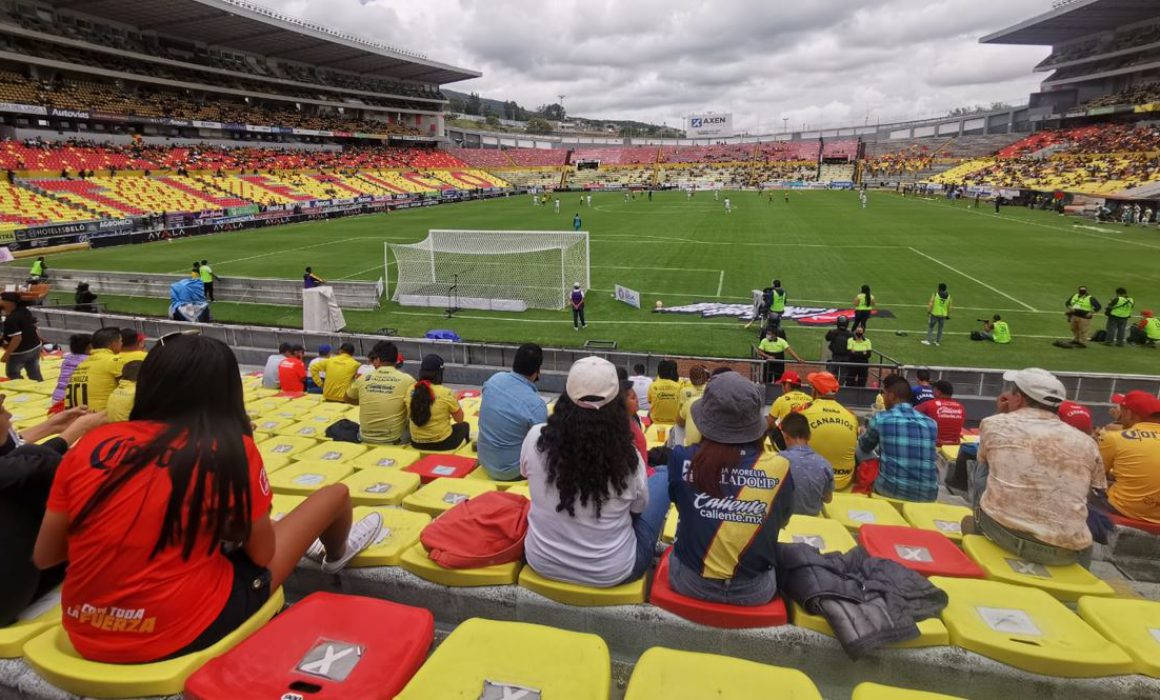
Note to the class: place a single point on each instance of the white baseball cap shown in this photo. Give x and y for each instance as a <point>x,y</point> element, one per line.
<point>1038,384</point>
<point>592,382</point>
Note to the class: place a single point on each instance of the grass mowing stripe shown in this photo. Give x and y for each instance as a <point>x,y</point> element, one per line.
<point>973,279</point>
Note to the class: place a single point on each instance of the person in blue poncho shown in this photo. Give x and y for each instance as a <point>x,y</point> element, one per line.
<point>187,301</point>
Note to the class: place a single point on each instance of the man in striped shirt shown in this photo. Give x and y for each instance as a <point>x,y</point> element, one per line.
<point>906,442</point>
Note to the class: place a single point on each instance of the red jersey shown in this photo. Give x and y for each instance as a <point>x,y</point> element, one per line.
<point>950,417</point>
<point>292,374</point>
<point>119,605</point>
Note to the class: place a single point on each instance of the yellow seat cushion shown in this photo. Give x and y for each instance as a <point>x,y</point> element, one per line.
<point>822,534</point>
<point>522,489</point>
<point>949,452</point>
<point>270,426</point>
<point>400,532</point>
<point>27,386</point>
<point>35,619</point>
<point>943,518</point>
<point>855,511</point>
<point>1026,628</point>
<point>873,691</point>
<point>264,393</point>
<point>898,503</point>
<point>13,400</point>
<point>304,428</point>
<point>630,593</point>
<point>669,533</point>
<point>283,504</point>
<point>480,474</point>
<point>1133,625</point>
<point>380,487</point>
<point>288,409</point>
<point>332,408</point>
<point>285,446</point>
<point>53,657</point>
<point>328,417</point>
<point>417,562</point>
<point>307,477</point>
<point>332,451</point>
<point>266,405</point>
<point>273,464</point>
<point>441,494</point>
<point>385,457</point>
<point>686,675</point>
<point>560,665</point>
<point>1063,582</point>
<point>931,631</point>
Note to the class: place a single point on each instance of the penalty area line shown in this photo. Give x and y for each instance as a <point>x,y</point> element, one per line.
<point>976,280</point>
<point>720,283</point>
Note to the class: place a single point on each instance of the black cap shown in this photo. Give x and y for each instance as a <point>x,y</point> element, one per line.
<point>431,363</point>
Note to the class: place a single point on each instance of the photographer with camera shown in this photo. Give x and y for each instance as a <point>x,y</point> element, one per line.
<point>995,329</point>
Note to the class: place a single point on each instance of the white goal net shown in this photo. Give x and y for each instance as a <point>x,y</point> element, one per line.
<point>500,270</point>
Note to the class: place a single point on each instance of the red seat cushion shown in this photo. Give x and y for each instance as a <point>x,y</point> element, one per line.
<point>434,467</point>
<point>326,646</point>
<point>771,614</point>
<point>467,394</point>
<point>1123,521</point>
<point>928,552</point>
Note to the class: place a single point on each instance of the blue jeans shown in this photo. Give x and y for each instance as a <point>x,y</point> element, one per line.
<point>1117,329</point>
<point>647,525</point>
<point>28,361</point>
<point>935,321</point>
<point>758,590</point>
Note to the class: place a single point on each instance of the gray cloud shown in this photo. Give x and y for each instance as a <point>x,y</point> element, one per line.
<point>811,61</point>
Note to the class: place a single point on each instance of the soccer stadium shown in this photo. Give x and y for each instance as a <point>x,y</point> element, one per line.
<point>325,380</point>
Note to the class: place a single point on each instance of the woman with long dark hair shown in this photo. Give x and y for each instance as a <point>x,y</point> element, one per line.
<point>732,497</point>
<point>164,519</point>
<point>864,303</point>
<point>595,516</point>
<point>435,417</point>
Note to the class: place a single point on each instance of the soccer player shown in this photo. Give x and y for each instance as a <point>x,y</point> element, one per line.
<point>787,196</point>
<point>862,197</point>
<point>588,198</point>
<point>728,206</point>
<point>576,223</point>
<point>556,204</point>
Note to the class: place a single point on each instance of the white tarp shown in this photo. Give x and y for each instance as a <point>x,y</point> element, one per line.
<point>320,311</point>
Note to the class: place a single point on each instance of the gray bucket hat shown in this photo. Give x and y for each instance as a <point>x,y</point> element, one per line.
<point>730,411</point>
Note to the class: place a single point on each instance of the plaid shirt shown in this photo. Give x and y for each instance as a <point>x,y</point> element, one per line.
<point>907,442</point>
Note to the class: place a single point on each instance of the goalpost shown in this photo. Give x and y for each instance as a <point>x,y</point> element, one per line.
<point>492,270</point>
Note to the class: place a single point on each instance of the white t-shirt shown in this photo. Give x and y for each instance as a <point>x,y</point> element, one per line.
<point>640,385</point>
<point>585,550</point>
<point>316,360</point>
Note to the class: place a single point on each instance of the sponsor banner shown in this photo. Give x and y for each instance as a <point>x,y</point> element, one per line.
<point>712,125</point>
<point>1097,111</point>
<point>628,296</point>
<point>207,125</point>
<point>258,129</point>
<point>22,109</point>
<point>804,315</point>
<point>248,209</point>
<point>106,117</point>
<point>169,121</point>
<point>69,113</point>
<point>54,230</point>
<point>306,132</point>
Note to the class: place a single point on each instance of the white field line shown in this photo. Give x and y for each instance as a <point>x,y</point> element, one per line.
<point>720,283</point>
<point>280,252</point>
<point>973,279</point>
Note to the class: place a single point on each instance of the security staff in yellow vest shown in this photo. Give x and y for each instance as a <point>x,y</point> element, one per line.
<point>1119,310</point>
<point>995,330</point>
<point>939,308</point>
<point>864,303</point>
<point>776,304</point>
<point>859,349</point>
<point>1080,309</point>
<point>1146,332</point>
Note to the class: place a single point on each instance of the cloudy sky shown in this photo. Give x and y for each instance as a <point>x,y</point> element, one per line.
<point>819,62</point>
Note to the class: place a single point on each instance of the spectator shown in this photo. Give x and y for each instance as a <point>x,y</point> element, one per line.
<point>905,441</point>
<point>436,420</point>
<point>1077,416</point>
<point>1031,483</point>
<point>381,396</point>
<point>859,349</point>
<point>270,378</point>
<point>632,406</point>
<point>1119,311</point>
<point>311,280</point>
<point>641,383</point>
<point>1080,309</point>
<point>664,396</point>
<point>323,354</point>
<point>772,349</point>
<point>142,540</point>
<point>1132,459</point>
<point>698,375</point>
<point>84,300</point>
<point>121,401</point>
<point>39,270</point>
<point>595,516</point>
<point>340,371</point>
<point>79,346</point>
<point>949,415</point>
<point>791,400</point>
<point>292,370</point>
<point>923,391</point>
<point>577,300</point>
<point>838,341</point>
<point>813,477</point>
<point>833,429</point>
<point>22,344</point>
<point>132,346</point>
<point>939,312</point>
<point>732,498</point>
<point>95,378</point>
<point>511,405</point>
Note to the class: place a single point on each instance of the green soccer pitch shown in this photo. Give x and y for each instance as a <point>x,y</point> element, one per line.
<point>822,245</point>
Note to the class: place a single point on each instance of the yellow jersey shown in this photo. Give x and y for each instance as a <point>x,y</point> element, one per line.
<point>787,403</point>
<point>833,435</point>
<point>692,434</point>
<point>381,396</point>
<point>438,427</point>
<point>340,372</point>
<point>120,403</point>
<point>93,381</point>
<point>688,393</point>
<point>664,397</point>
<point>1132,460</point>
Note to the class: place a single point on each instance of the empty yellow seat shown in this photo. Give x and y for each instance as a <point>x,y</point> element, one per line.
<point>873,691</point>
<point>270,426</point>
<point>283,504</point>
<point>22,399</point>
<point>331,451</point>
<point>480,474</point>
<point>441,494</point>
<point>1133,625</point>
<point>35,619</point>
<point>898,503</point>
<point>949,452</point>
<point>400,532</point>
<point>522,489</point>
<point>417,562</point>
<point>1026,628</point>
<point>940,517</point>
<point>27,386</point>
<point>669,533</point>
<point>284,446</point>
<point>630,593</point>
<point>53,657</point>
<point>380,487</point>
<point>304,428</point>
<point>931,631</point>
<point>389,457</point>
<point>332,408</point>
<point>822,534</point>
<point>267,402</point>
<point>273,464</point>
<point>1063,582</point>
<point>686,675</point>
<point>557,664</point>
<point>307,477</point>
<point>289,409</point>
<point>856,511</point>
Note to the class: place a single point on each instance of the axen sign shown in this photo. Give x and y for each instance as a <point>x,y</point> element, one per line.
<point>700,122</point>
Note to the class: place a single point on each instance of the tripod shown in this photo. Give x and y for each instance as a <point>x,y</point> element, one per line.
<point>452,298</point>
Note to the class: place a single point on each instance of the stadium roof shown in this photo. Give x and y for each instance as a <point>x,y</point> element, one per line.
<point>252,28</point>
<point>1072,19</point>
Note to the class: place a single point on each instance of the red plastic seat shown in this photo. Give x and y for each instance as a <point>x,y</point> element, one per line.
<point>467,394</point>
<point>326,646</point>
<point>1122,521</point>
<point>927,552</point>
<point>771,614</point>
<point>434,467</point>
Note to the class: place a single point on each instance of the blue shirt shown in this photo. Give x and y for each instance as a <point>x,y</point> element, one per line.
<point>922,393</point>
<point>510,407</point>
<point>907,443</point>
<point>813,479</point>
<point>576,222</point>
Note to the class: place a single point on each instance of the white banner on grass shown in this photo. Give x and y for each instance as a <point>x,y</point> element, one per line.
<point>628,296</point>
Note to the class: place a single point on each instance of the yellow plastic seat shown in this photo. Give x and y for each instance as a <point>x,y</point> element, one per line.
<point>332,451</point>
<point>1064,582</point>
<point>898,503</point>
<point>686,675</point>
<point>469,449</point>
<point>931,631</point>
<point>522,489</point>
<point>285,446</point>
<point>267,404</point>
<point>52,656</point>
<point>380,487</point>
<point>480,474</point>
<point>14,400</point>
<point>273,464</point>
<point>332,408</point>
<point>27,386</point>
<point>856,511</point>
<point>942,518</point>
<point>822,534</point>
<point>326,418</point>
<point>1026,628</point>
<point>417,562</point>
<point>441,494</point>
<point>669,533</point>
<point>949,452</point>
<point>264,393</point>
<point>558,664</point>
<point>400,532</point>
<point>304,478</point>
<point>270,426</point>
<point>1133,625</point>
<point>305,429</point>
<point>34,620</point>
<point>873,691</point>
<point>630,593</point>
<point>385,457</point>
<point>283,504</point>
<point>289,409</point>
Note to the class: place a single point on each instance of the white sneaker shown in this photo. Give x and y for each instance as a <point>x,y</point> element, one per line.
<point>925,342</point>
<point>316,552</point>
<point>362,534</point>
<point>937,344</point>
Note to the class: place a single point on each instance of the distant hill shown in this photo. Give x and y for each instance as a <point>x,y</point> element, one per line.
<point>462,103</point>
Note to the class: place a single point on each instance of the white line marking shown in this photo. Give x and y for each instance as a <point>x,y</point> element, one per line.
<point>665,269</point>
<point>973,279</point>
<point>720,283</point>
